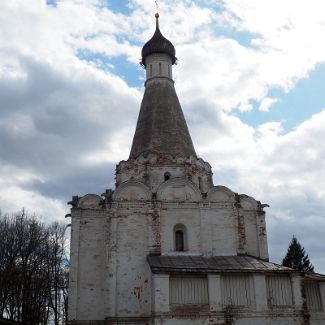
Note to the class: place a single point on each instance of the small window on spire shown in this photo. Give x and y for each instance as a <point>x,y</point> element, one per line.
<point>160,73</point>
<point>166,176</point>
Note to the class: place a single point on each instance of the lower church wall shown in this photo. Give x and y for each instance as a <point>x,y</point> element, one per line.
<point>111,281</point>
<point>232,319</point>
<point>220,318</point>
<point>133,276</point>
<point>87,272</point>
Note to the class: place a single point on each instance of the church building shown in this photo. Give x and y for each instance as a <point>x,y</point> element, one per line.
<point>167,246</point>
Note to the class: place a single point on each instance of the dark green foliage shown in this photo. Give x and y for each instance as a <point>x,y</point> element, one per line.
<point>296,257</point>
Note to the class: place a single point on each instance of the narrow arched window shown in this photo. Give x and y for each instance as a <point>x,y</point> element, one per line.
<point>180,238</point>
<point>200,183</point>
<point>160,68</point>
<point>179,241</point>
<point>150,70</point>
<point>166,176</point>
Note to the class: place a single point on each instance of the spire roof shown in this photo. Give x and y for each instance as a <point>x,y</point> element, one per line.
<point>158,44</point>
<point>161,126</point>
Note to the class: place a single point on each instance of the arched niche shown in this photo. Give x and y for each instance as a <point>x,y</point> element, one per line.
<point>220,194</point>
<point>132,191</point>
<point>248,202</point>
<point>90,201</point>
<point>178,189</point>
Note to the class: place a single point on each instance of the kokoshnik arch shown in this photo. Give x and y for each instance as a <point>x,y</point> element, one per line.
<point>167,246</point>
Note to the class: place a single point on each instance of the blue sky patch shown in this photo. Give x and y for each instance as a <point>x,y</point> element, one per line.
<point>217,6</point>
<point>116,6</point>
<point>243,38</point>
<point>304,100</point>
<point>52,2</point>
<point>119,66</point>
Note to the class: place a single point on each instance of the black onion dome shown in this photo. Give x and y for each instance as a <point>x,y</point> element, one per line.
<point>158,44</point>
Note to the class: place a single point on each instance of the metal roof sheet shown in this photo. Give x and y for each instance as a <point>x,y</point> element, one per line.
<point>213,264</point>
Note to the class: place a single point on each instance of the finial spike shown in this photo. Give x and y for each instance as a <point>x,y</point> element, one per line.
<point>157,21</point>
<point>157,14</point>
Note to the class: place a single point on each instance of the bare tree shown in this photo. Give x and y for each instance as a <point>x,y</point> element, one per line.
<point>57,269</point>
<point>33,267</point>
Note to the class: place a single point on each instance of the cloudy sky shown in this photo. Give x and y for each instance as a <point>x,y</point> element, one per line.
<point>250,78</point>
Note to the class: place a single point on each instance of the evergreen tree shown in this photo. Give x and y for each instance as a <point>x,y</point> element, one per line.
<point>296,257</point>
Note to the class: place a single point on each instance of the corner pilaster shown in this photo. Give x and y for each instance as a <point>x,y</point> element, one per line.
<point>160,293</point>
<point>214,287</point>
<point>74,264</point>
<point>297,290</point>
<point>260,291</point>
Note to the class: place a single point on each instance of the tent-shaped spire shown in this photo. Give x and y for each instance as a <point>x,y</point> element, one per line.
<point>161,126</point>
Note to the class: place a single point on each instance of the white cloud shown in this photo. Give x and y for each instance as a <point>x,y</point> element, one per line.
<point>13,199</point>
<point>266,103</point>
<point>284,170</point>
<point>56,109</point>
<point>245,107</point>
<point>285,48</point>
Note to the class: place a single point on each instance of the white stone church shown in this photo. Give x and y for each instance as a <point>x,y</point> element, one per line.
<point>167,246</point>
